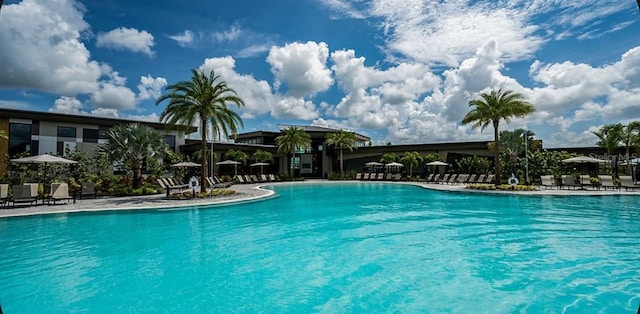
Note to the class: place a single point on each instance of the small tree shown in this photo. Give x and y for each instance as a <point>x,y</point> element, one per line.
<point>412,159</point>
<point>342,140</point>
<point>389,157</point>
<point>291,140</point>
<point>610,138</point>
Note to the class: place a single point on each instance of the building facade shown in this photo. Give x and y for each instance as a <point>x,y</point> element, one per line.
<point>42,133</point>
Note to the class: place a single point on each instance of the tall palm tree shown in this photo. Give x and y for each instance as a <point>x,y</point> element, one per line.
<point>204,98</point>
<point>495,106</point>
<point>133,144</point>
<point>291,140</point>
<point>610,137</point>
<point>342,139</point>
<point>630,138</point>
<point>413,159</point>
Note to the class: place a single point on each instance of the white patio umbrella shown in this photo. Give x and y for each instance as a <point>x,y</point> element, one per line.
<point>230,162</point>
<point>584,159</point>
<point>44,159</point>
<point>186,164</point>
<point>394,164</point>
<point>373,164</point>
<point>261,164</point>
<point>437,163</point>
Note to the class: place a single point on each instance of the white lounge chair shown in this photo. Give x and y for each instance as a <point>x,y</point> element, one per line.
<point>60,192</point>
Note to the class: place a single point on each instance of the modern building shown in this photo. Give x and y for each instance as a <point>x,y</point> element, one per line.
<point>44,132</point>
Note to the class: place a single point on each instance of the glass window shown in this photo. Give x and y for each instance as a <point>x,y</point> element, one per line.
<point>65,131</point>
<point>170,140</point>
<point>90,135</point>
<point>19,138</point>
<point>35,127</point>
<point>104,132</point>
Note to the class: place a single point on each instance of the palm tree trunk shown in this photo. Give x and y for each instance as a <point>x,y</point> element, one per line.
<point>496,150</point>
<point>203,149</point>
<point>628,163</point>
<point>341,164</point>
<point>137,173</point>
<point>291,168</point>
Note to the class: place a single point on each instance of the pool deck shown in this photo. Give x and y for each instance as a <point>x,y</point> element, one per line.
<point>247,193</point>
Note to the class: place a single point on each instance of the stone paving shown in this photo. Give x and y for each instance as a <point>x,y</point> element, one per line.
<point>245,193</point>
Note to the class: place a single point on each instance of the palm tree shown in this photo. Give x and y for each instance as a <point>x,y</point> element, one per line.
<point>262,156</point>
<point>631,137</point>
<point>413,159</point>
<point>133,144</point>
<point>495,106</point>
<point>389,157</point>
<point>342,139</point>
<point>291,140</point>
<point>610,137</point>
<point>204,98</point>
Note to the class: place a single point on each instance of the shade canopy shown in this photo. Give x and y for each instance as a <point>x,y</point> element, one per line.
<point>437,163</point>
<point>394,164</point>
<point>584,159</point>
<point>44,159</point>
<point>186,164</point>
<point>228,162</point>
<point>373,163</point>
<point>259,164</point>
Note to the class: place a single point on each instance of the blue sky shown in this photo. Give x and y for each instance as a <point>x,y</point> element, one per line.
<point>398,71</point>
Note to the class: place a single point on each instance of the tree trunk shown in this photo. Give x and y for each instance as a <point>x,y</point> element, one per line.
<point>496,152</point>
<point>137,173</point>
<point>341,164</point>
<point>629,170</point>
<point>203,149</point>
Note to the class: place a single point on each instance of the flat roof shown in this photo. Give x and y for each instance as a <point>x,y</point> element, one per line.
<point>79,119</point>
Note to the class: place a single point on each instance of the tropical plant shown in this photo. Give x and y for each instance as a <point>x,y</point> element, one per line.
<point>631,138</point>
<point>291,140</point>
<point>610,138</point>
<point>474,164</point>
<point>433,157</point>
<point>512,146</point>
<point>389,157</point>
<point>342,140</point>
<point>412,159</point>
<point>3,135</point>
<point>495,106</point>
<point>132,144</point>
<point>262,156</point>
<point>203,99</point>
<point>236,155</point>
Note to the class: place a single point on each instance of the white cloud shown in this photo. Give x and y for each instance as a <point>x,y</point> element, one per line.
<point>70,105</point>
<point>183,39</point>
<point>111,96</point>
<point>302,67</point>
<point>105,112</point>
<point>45,37</point>
<point>127,39</point>
<point>295,108</point>
<point>234,32</point>
<point>150,88</point>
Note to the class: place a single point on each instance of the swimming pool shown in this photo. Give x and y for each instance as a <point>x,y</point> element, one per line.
<point>360,247</point>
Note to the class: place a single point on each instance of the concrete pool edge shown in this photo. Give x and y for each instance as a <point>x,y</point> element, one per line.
<point>257,192</point>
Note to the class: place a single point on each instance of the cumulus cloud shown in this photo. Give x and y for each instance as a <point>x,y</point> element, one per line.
<point>127,39</point>
<point>70,105</point>
<point>111,96</point>
<point>302,67</point>
<point>45,37</point>
<point>150,88</point>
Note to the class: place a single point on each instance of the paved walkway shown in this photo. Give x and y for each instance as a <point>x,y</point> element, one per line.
<point>245,193</point>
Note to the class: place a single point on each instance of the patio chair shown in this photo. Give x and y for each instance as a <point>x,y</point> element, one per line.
<point>607,182</point>
<point>60,192</point>
<point>170,185</point>
<point>428,178</point>
<point>365,176</point>
<point>462,178</point>
<point>254,178</point>
<point>451,179</point>
<point>380,176</point>
<point>219,183</point>
<point>359,176</point>
<point>481,178</point>
<point>240,179</point>
<point>489,179</point>
<point>569,181</point>
<point>388,176</point>
<point>248,179</point>
<point>585,181</point>
<point>22,193</point>
<point>264,178</point>
<point>4,195</point>
<point>444,178</point>
<point>547,181</point>
<point>88,189</point>
<point>272,177</point>
<point>397,177</point>
<point>627,183</point>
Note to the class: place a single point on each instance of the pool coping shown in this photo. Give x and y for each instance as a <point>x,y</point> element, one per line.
<point>257,192</point>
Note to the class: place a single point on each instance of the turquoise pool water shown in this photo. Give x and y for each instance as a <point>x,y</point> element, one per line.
<point>363,247</point>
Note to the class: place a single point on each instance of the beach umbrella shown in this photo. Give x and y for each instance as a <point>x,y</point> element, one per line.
<point>44,159</point>
<point>583,160</point>
<point>394,164</point>
<point>186,164</point>
<point>259,164</point>
<point>230,162</point>
<point>437,163</point>
<point>373,163</point>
